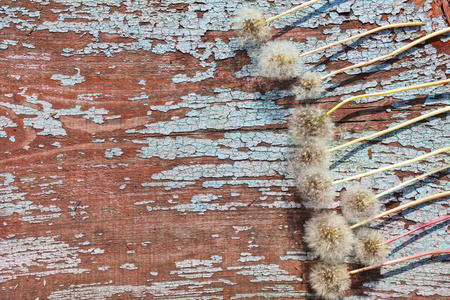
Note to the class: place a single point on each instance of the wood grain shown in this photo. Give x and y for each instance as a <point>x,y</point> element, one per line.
<point>446,8</point>
<point>143,156</point>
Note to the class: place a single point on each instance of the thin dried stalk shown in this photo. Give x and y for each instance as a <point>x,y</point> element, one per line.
<point>404,48</point>
<point>396,25</point>
<point>402,207</point>
<point>398,260</point>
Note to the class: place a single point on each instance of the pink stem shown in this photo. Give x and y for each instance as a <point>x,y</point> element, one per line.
<point>394,261</point>
<point>417,228</point>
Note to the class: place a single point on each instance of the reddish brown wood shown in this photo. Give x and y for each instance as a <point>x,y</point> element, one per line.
<point>136,229</point>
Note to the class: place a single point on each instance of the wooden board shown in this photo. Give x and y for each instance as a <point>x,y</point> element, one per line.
<point>143,156</point>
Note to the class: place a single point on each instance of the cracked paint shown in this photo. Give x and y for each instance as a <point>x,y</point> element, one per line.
<point>168,84</point>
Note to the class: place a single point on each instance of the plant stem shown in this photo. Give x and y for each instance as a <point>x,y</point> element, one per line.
<point>408,88</point>
<point>406,47</point>
<point>412,121</point>
<point>417,228</point>
<point>406,162</point>
<point>401,207</point>
<point>398,260</point>
<point>362,35</point>
<point>291,10</point>
<point>412,180</point>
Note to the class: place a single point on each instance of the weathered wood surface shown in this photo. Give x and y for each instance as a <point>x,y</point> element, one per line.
<point>142,156</point>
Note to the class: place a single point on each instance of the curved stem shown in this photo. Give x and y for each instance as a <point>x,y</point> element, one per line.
<point>412,121</point>
<point>408,88</point>
<point>417,228</point>
<point>362,35</point>
<point>398,260</point>
<point>411,181</point>
<point>406,162</point>
<point>404,48</point>
<point>291,10</point>
<point>401,207</point>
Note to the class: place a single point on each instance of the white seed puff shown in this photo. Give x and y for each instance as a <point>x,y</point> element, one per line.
<point>369,247</point>
<point>314,185</point>
<point>278,60</point>
<point>330,281</point>
<point>312,152</point>
<point>252,26</point>
<point>310,87</point>
<point>329,236</point>
<point>310,121</point>
<point>359,203</point>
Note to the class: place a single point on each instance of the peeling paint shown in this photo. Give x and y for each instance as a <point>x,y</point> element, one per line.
<point>198,150</point>
<point>68,80</point>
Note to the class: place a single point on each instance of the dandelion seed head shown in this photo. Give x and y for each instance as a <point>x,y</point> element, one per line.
<point>313,152</point>
<point>314,185</point>
<point>253,27</point>
<point>278,60</point>
<point>369,247</point>
<point>329,236</point>
<point>330,281</point>
<point>309,121</point>
<point>359,203</point>
<point>310,87</point>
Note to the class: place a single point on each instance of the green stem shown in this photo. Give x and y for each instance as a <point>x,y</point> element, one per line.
<point>374,135</point>
<point>404,48</point>
<point>402,207</point>
<point>291,10</point>
<point>406,162</point>
<point>408,88</point>
<point>396,25</point>
<point>412,180</point>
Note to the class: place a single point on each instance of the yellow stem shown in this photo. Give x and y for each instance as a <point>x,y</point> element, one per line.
<point>408,88</point>
<point>406,47</point>
<point>361,35</point>
<point>291,10</point>
<point>406,162</point>
<point>412,180</point>
<point>401,207</point>
<point>376,134</point>
<point>398,260</point>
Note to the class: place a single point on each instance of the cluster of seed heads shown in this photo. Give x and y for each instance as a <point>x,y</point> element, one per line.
<point>327,233</point>
<point>332,240</point>
<point>278,60</point>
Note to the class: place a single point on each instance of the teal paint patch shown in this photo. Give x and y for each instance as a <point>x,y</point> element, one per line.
<point>113,152</point>
<point>6,123</point>
<point>69,80</point>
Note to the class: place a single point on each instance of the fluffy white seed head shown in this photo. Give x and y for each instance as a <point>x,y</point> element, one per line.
<point>314,185</point>
<point>330,281</point>
<point>369,247</point>
<point>329,236</point>
<point>310,121</point>
<point>313,152</point>
<point>310,87</point>
<point>278,60</point>
<point>359,203</point>
<point>252,26</point>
